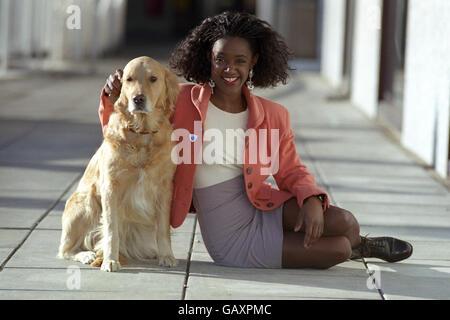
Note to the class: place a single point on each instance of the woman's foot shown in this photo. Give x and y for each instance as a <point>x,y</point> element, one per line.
<point>385,248</point>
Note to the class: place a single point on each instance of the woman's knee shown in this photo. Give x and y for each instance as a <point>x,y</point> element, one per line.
<point>344,249</point>
<point>345,219</point>
<point>351,221</point>
<point>340,251</point>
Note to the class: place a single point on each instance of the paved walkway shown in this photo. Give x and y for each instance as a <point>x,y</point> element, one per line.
<point>50,129</point>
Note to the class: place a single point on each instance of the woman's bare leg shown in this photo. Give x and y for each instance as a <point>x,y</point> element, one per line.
<point>337,222</point>
<point>325,253</point>
<point>340,235</point>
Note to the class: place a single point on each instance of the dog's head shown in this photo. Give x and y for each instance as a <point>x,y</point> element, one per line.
<point>148,90</point>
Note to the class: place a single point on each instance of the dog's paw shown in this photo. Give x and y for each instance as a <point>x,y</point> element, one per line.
<point>168,261</point>
<point>110,266</point>
<point>86,257</point>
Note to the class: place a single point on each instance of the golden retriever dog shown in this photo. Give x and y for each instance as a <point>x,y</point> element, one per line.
<point>122,203</point>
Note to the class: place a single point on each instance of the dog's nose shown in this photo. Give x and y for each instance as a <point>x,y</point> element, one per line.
<point>139,99</point>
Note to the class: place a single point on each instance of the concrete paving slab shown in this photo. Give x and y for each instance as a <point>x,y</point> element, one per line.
<point>418,233</point>
<point>9,240</point>
<point>421,220</point>
<point>70,282</point>
<point>414,279</point>
<point>41,248</point>
<point>210,281</point>
<point>35,272</point>
<point>18,217</point>
<point>420,185</point>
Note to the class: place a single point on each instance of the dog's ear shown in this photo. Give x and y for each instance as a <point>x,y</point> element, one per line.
<point>171,91</point>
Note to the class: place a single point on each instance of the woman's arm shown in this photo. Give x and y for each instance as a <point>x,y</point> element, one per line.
<point>105,109</point>
<point>109,95</point>
<point>292,174</point>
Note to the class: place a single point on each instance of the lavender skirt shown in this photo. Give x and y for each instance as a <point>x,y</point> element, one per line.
<point>236,233</point>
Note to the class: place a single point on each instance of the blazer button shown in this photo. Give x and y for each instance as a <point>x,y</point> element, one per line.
<point>250,185</point>
<point>270,205</point>
<point>249,170</point>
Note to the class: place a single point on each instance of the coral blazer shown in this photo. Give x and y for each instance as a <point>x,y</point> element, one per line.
<point>292,177</point>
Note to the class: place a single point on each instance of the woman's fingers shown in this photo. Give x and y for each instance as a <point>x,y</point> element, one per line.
<point>312,235</point>
<point>113,85</point>
<point>308,236</point>
<point>299,222</point>
<point>114,81</point>
<point>107,89</point>
<point>119,72</point>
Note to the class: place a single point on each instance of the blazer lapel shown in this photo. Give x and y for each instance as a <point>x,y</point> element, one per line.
<point>200,96</point>
<point>255,108</point>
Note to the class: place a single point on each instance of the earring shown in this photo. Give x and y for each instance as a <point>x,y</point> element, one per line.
<point>250,85</point>
<point>212,84</point>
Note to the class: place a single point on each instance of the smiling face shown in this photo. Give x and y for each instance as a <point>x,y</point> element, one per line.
<point>231,60</point>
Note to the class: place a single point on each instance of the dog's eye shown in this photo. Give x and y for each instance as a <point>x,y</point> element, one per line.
<point>153,79</point>
<point>130,79</point>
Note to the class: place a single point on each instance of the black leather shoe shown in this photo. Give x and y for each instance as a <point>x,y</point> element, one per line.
<point>385,248</point>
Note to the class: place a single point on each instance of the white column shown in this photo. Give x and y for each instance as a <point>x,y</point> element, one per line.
<point>4,35</point>
<point>333,41</point>
<point>366,55</point>
<point>26,13</point>
<point>265,10</point>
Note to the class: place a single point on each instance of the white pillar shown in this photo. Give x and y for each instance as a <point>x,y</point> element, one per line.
<point>265,10</point>
<point>4,34</point>
<point>366,55</point>
<point>333,43</point>
<point>26,13</point>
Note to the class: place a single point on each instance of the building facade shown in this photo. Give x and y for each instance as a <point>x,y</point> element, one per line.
<point>391,58</point>
<point>42,34</point>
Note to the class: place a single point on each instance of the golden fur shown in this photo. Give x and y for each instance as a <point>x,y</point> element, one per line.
<point>122,203</point>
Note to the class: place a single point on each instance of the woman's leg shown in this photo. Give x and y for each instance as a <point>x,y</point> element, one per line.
<point>325,253</point>
<point>340,235</point>
<point>337,222</point>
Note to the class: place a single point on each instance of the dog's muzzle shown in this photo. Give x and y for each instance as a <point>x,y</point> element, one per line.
<point>138,104</point>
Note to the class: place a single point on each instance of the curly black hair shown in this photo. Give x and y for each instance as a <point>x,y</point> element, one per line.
<point>189,59</point>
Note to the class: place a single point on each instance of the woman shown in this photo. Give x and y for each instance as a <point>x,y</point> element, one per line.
<point>244,221</point>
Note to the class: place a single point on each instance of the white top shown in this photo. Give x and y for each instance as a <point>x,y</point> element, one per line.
<point>223,147</point>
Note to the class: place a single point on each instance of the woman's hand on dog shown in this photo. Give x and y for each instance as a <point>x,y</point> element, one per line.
<point>114,85</point>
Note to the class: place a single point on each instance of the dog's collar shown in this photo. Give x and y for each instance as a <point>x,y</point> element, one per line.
<point>141,132</point>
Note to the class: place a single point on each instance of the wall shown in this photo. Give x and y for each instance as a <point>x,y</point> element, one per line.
<point>426,94</point>
<point>427,82</point>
